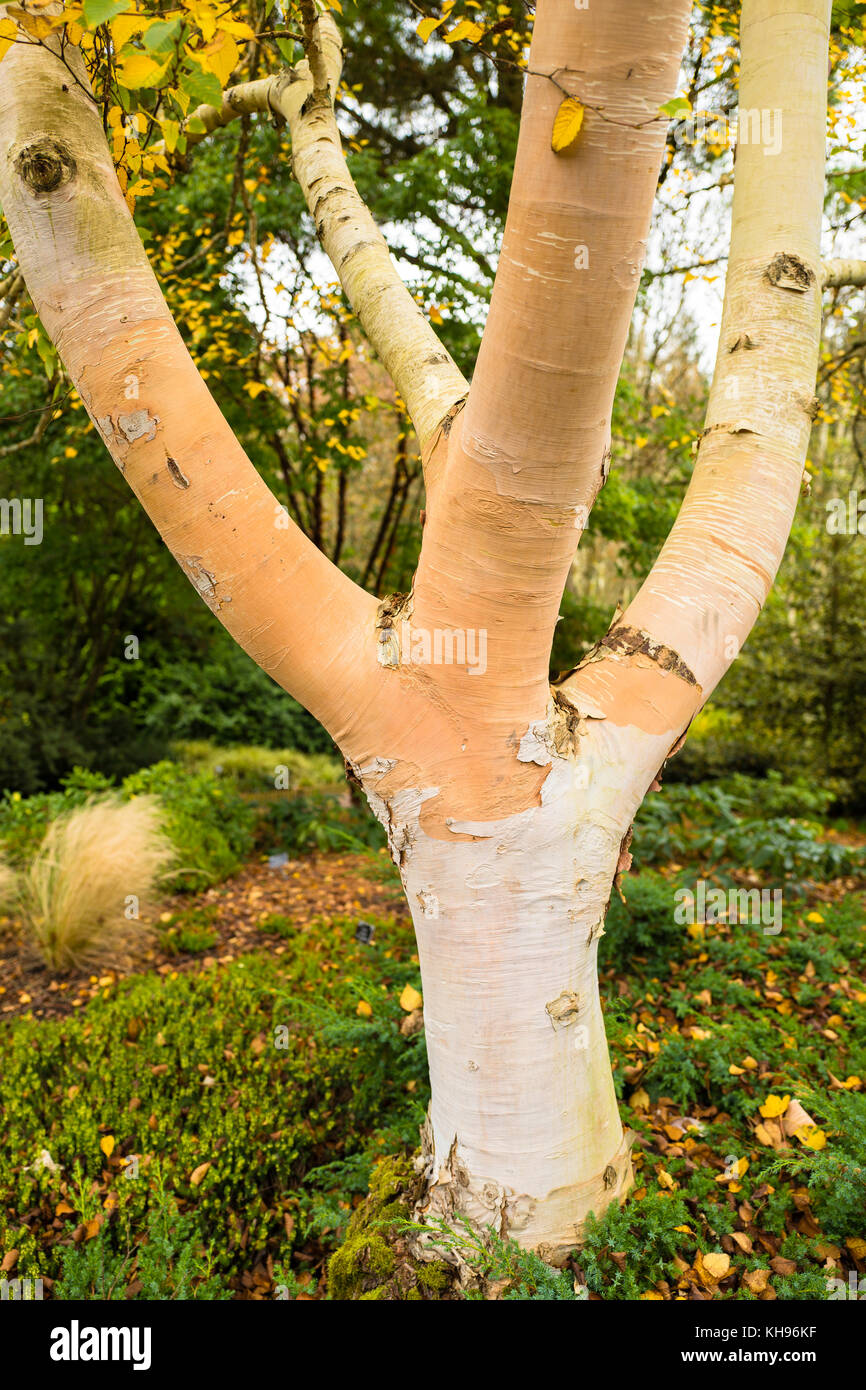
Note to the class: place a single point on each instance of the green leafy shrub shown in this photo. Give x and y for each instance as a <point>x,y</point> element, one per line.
<point>163,1261</point>
<point>254,769</point>
<point>261,1069</point>
<point>835,1175</point>
<point>643,924</point>
<point>211,826</point>
<point>302,823</point>
<point>645,1231</point>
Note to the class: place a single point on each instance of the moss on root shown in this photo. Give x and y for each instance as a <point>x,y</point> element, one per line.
<point>375,1262</point>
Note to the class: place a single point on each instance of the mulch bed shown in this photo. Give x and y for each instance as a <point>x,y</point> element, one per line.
<point>305,890</point>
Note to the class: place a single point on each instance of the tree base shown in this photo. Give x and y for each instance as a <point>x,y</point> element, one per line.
<point>552,1226</point>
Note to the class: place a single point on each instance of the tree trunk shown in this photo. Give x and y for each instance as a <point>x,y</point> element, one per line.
<point>523,1133</point>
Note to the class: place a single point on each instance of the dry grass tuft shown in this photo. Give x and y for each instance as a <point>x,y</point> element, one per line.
<point>8,887</point>
<point>94,875</point>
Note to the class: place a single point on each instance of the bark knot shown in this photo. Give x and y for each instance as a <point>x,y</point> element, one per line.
<point>788,272</point>
<point>45,165</point>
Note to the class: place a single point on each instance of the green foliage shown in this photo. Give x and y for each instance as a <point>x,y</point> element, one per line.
<point>744,820</point>
<point>835,1175</point>
<point>301,823</point>
<point>261,1069</point>
<point>211,826</point>
<point>253,769</point>
<point>643,924</point>
<point>645,1232</point>
<point>155,1253</point>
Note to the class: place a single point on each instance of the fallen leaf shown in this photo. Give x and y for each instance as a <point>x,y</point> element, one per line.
<point>716,1265</point>
<point>795,1118</point>
<point>410,1000</point>
<point>198,1173</point>
<point>107,1143</point>
<point>812,1137</point>
<point>774,1106</point>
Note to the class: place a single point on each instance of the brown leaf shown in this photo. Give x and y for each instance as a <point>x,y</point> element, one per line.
<point>782,1266</point>
<point>794,1118</point>
<point>756,1280</point>
<point>198,1173</point>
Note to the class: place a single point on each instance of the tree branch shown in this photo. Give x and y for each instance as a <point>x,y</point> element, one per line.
<point>837,275</point>
<point>667,652</point>
<point>423,372</point>
<point>87,272</point>
<point>527,456</point>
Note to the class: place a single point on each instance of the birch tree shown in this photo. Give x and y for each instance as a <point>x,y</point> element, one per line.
<point>507,802</point>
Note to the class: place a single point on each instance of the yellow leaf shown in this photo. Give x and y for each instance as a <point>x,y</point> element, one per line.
<point>237,28</point>
<point>814,917</point>
<point>221,57</point>
<point>716,1265</point>
<point>813,1138</point>
<point>255,388</point>
<point>410,1000</point>
<point>639,1100</point>
<point>170,132</point>
<point>566,126</point>
<point>7,36</point>
<point>427,26</point>
<point>774,1106</point>
<point>107,1143</point>
<point>665,1180</point>
<point>37,26</point>
<point>652,1296</point>
<point>467,30</point>
<point>363,1010</point>
<point>198,1173</point>
<point>204,15</point>
<point>91,1228</point>
<point>736,1071</point>
<point>125,25</point>
<point>139,70</point>
<point>857,1246</point>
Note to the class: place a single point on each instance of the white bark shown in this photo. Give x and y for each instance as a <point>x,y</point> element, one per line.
<point>524,1131</point>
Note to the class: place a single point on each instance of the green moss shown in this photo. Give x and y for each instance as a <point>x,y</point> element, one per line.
<point>434,1276</point>
<point>375,1261</point>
